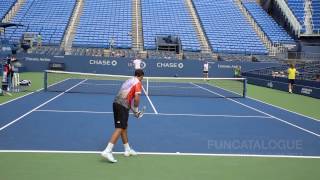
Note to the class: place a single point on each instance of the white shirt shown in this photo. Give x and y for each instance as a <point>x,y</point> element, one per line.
<point>137,63</point>
<point>206,67</point>
<point>128,90</point>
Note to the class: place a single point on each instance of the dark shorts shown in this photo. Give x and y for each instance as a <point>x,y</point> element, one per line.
<point>291,81</point>
<point>4,87</point>
<point>120,115</point>
<point>205,72</point>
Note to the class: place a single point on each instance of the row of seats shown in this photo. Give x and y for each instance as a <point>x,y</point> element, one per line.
<point>161,18</point>
<point>104,23</point>
<point>223,20</point>
<point>108,22</point>
<point>298,8</point>
<point>46,17</point>
<point>316,14</point>
<point>5,7</point>
<point>275,33</point>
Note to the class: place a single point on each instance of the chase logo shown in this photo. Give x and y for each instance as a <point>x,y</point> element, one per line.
<point>180,65</point>
<point>170,65</point>
<point>143,65</point>
<point>103,62</point>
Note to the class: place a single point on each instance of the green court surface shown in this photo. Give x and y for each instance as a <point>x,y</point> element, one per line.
<point>37,83</point>
<point>17,166</point>
<point>40,166</point>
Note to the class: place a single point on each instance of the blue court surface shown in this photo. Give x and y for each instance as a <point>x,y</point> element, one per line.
<point>63,121</point>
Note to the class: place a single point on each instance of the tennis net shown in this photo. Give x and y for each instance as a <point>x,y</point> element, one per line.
<point>75,82</point>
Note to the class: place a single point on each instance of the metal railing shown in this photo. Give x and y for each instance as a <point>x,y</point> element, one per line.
<point>302,56</point>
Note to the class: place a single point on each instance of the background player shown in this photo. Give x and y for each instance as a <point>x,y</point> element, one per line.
<point>206,70</point>
<point>291,76</point>
<point>137,63</point>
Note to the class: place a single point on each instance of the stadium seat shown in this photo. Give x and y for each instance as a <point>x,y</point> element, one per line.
<point>227,29</point>
<point>102,21</point>
<point>5,7</point>
<point>275,33</point>
<point>297,7</point>
<point>161,18</point>
<point>50,18</point>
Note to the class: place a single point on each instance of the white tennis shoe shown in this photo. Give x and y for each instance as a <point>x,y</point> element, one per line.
<point>108,156</point>
<point>130,152</point>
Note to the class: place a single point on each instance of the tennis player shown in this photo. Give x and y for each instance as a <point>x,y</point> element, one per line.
<point>206,70</point>
<point>127,98</point>
<point>137,63</point>
<point>291,76</point>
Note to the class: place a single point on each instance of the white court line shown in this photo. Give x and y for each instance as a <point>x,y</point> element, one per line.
<point>160,114</point>
<point>154,109</point>
<point>177,87</point>
<point>318,120</point>
<point>166,154</point>
<point>104,84</point>
<point>31,92</point>
<point>286,122</point>
<point>63,111</point>
<point>5,126</point>
<point>213,115</point>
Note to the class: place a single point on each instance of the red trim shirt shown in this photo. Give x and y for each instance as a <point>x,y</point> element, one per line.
<point>128,90</point>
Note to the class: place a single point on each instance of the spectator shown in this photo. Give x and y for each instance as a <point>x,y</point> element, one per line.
<point>318,77</point>
<point>6,77</point>
<point>112,43</point>
<point>39,40</point>
<point>291,76</point>
<point>237,71</point>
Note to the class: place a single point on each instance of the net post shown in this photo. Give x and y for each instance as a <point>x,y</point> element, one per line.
<point>245,87</point>
<point>45,77</point>
<point>147,87</point>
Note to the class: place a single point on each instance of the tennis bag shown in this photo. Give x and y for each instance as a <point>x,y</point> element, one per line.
<point>4,86</point>
<point>25,83</point>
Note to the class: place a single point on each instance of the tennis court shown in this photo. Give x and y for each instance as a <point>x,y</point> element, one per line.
<point>188,119</point>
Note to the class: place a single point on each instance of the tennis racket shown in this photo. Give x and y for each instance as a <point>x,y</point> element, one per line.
<point>140,113</point>
<point>7,93</point>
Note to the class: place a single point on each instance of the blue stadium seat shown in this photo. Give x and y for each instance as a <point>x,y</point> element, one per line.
<point>102,21</point>
<point>161,18</point>
<point>5,7</point>
<point>297,7</point>
<point>227,29</point>
<point>50,18</point>
<point>274,32</point>
<point>316,14</point>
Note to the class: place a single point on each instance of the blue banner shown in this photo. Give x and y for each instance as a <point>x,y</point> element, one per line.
<point>123,66</point>
<point>283,86</point>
